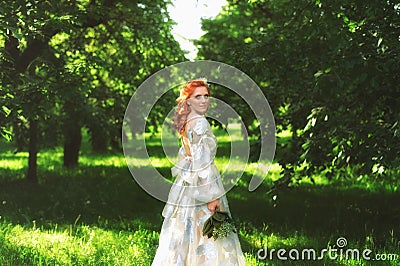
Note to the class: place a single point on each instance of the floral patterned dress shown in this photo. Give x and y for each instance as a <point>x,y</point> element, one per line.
<point>197,182</point>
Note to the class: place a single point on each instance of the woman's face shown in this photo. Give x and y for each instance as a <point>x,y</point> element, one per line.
<point>199,100</point>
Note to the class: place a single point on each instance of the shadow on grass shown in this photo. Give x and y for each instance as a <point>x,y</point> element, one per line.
<point>318,211</point>
<point>106,196</point>
<point>90,192</point>
<point>95,193</point>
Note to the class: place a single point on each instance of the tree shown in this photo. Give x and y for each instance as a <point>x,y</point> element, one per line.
<point>79,61</point>
<point>329,70</point>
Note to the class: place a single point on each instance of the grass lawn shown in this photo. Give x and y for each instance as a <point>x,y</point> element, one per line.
<point>98,215</point>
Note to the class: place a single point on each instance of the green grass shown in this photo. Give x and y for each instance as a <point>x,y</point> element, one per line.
<point>98,215</point>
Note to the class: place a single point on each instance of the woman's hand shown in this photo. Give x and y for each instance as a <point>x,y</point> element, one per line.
<point>213,205</point>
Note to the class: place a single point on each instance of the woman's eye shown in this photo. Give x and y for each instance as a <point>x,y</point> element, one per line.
<point>198,97</point>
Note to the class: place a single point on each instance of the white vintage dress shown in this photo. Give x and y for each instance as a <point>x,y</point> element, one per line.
<point>197,182</point>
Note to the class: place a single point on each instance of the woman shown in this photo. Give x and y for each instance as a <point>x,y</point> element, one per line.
<point>197,191</point>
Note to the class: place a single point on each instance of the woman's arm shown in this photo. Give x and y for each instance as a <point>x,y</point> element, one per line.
<point>203,147</point>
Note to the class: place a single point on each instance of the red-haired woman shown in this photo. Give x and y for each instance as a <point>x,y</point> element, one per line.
<point>197,191</point>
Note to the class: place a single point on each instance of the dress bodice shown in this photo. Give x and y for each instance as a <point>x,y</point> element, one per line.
<point>202,142</point>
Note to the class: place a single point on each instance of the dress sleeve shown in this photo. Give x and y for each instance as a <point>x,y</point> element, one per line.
<point>208,185</point>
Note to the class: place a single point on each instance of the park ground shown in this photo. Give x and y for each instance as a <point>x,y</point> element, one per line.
<point>97,214</point>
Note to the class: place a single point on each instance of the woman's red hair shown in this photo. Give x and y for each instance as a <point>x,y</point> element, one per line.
<point>183,109</point>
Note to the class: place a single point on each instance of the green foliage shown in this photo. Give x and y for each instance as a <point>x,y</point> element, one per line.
<point>73,64</point>
<point>329,70</point>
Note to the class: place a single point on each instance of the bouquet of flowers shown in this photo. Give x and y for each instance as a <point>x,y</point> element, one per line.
<point>218,225</point>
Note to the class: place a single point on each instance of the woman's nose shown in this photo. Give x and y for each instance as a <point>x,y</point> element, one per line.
<point>204,98</point>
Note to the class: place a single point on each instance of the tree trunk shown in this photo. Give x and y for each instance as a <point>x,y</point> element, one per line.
<point>32,160</point>
<point>20,135</point>
<point>116,140</point>
<point>99,139</point>
<point>72,143</point>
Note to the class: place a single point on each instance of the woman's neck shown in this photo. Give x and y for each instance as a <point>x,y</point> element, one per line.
<point>193,114</point>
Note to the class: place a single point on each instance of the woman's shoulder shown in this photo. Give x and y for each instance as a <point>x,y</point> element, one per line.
<point>199,124</point>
